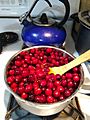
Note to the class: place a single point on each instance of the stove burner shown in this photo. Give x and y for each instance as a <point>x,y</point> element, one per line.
<point>71,112</point>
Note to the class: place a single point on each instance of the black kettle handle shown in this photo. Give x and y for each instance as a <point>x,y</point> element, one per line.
<point>60,24</point>
<point>28,13</point>
<point>67,11</point>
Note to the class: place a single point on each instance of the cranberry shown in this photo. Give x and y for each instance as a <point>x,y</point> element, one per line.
<point>14,85</point>
<point>60,88</point>
<point>37,99</point>
<point>25,65</point>
<point>70,84</point>
<point>61,97</point>
<point>57,83</point>
<point>32,50</point>
<point>21,89</point>
<point>42,98</point>
<point>58,76</point>
<point>10,79</point>
<point>48,92</point>
<point>24,96</point>
<point>50,85</point>
<point>28,88</point>
<point>75,69</point>
<point>34,60</point>
<point>18,63</point>
<point>49,50</point>
<point>43,83</point>
<point>69,75</point>
<point>11,72</point>
<point>35,85</point>
<point>25,73</point>
<point>76,78</point>
<point>24,80</point>
<point>63,77</point>
<point>50,99</point>
<point>18,78</point>
<point>37,91</point>
<point>64,82</point>
<point>56,93</point>
<point>67,93</point>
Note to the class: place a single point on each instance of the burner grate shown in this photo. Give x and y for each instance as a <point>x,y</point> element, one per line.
<point>71,112</point>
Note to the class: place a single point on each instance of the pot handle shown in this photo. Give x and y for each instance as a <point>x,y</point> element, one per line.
<point>75,17</point>
<point>27,14</point>
<point>85,88</point>
<point>67,11</point>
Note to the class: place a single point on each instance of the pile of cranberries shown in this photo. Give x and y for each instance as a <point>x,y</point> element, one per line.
<point>27,75</point>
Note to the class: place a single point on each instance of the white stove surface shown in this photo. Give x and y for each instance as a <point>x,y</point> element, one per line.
<point>10,50</point>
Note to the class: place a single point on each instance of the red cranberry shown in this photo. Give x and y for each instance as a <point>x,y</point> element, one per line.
<point>56,93</point>
<point>35,85</point>
<point>37,91</point>
<point>70,84</point>
<point>42,98</point>
<point>50,85</point>
<point>64,82</point>
<point>67,93</point>
<point>37,99</point>
<point>49,50</point>
<point>18,63</point>
<point>48,92</point>
<point>18,78</point>
<point>43,83</point>
<point>28,88</point>
<point>24,96</point>
<point>14,85</point>
<point>50,99</point>
<point>25,73</point>
<point>60,88</point>
<point>69,75</point>
<point>25,65</point>
<point>61,97</point>
<point>76,78</point>
<point>11,72</point>
<point>58,76</point>
<point>10,79</point>
<point>24,80</point>
<point>57,83</point>
<point>21,89</point>
<point>75,69</point>
<point>63,77</point>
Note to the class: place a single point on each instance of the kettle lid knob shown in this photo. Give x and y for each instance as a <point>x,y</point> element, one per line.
<point>43,19</point>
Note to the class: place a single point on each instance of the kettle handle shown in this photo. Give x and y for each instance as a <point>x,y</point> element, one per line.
<point>67,11</point>
<point>27,14</point>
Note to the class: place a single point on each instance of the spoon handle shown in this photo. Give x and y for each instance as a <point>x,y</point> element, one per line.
<point>82,58</point>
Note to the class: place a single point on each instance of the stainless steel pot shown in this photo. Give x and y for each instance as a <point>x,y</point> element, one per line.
<point>43,109</point>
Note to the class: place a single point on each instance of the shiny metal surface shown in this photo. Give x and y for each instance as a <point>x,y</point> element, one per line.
<point>43,109</point>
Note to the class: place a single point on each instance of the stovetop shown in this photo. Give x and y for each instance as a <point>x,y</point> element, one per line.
<point>71,112</point>
<point>8,51</point>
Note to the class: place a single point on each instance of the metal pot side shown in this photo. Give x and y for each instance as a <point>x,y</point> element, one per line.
<point>43,109</point>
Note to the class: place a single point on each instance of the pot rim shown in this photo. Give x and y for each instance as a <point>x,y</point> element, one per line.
<point>44,104</point>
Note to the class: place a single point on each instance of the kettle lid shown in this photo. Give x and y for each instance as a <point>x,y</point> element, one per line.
<point>43,20</point>
<point>84,17</point>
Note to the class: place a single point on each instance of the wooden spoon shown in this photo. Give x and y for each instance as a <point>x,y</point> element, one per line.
<point>77,61</point>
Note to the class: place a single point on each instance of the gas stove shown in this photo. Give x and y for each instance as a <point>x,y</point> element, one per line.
<point>6,97</point>
<point>71,112</point>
